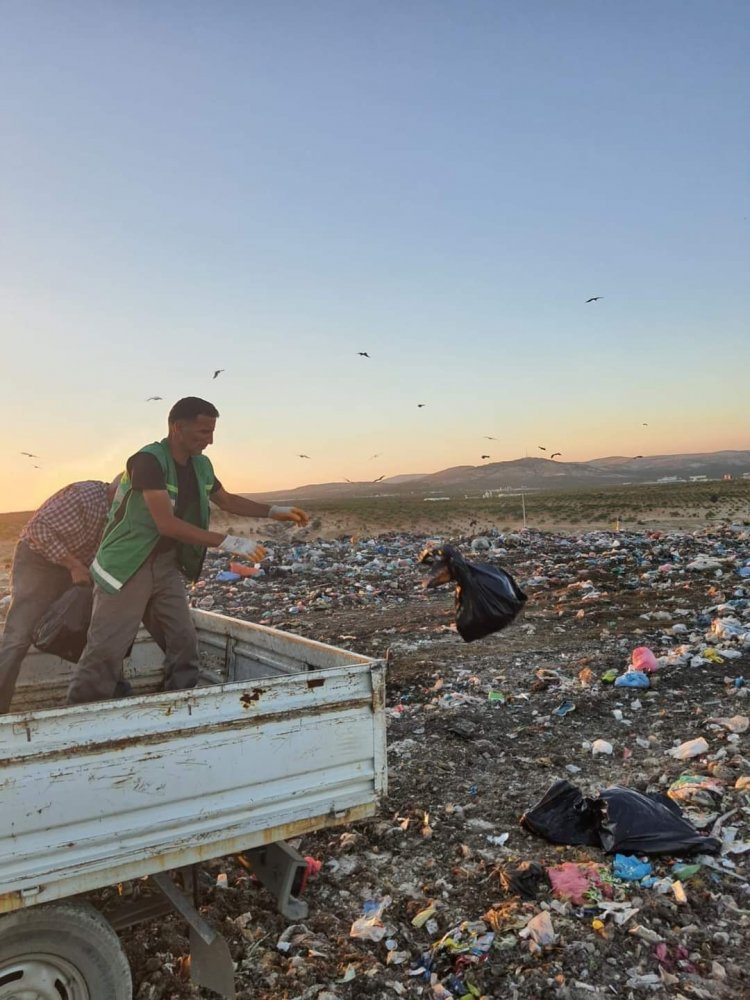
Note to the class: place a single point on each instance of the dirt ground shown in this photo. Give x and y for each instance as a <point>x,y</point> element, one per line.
<point>462,770</point>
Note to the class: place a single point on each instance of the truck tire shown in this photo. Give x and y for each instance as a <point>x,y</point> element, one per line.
<point>62,951</point>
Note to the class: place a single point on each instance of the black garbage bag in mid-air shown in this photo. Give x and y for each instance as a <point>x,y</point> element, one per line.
<point>620,821</point>
<point>62,630</point>
<point>488,599</point>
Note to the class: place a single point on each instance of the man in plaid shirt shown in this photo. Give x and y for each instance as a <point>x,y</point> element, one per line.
<point>54,551</point>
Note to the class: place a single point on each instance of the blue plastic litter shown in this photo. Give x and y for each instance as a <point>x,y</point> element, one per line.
<point>227,576</point>
<point>632,679</point>
<point>630,869</point>
<point>744,572</point>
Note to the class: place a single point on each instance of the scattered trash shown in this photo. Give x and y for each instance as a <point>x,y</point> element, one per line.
<point>737,723</point>
<point>630,869</point>
<point>564,709</point>
<point>522,878</point>
<point>577,881</point>
<point>642,658</point>
<point>601,747</point>
<point>540,930</point>
<point>691,748</point>
<point>632,679</point>
<point>423,916</point>
<point>697,790</point>
<point>370,927</point>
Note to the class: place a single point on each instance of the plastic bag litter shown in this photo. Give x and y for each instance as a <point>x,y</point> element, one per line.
<point>630,869</point>
<point>632,679</point>
<point>619,820</point>
<point>642,658</point>
<point>572,881</point>
<point>62,630</point>
<point>522,878</point>
<point>370,927</point>
<point>488,599</point>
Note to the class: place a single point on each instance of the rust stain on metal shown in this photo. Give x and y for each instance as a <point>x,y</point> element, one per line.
<point>10,901</point>
<point>247,698</point>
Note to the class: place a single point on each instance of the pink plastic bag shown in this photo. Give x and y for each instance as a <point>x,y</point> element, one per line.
<point>643,659</point>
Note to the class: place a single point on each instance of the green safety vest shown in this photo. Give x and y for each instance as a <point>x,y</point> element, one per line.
<point>130,535</point>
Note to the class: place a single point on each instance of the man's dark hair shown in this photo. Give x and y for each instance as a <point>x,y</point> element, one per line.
<point>190,408</point>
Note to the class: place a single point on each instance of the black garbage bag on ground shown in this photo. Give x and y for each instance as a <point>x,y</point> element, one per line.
<point>620,821</point>
<point>632,823</point>
<point>488,599</point>
<point>62,630</point>
<point>523,878</point>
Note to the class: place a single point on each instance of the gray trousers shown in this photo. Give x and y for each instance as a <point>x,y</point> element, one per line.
<point>36,583</point>
<point>154,595</point>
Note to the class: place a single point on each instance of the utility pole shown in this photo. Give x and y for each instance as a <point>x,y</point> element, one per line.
<point>523,507</point>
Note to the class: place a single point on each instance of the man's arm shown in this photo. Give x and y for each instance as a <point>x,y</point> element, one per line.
<point>232,503</point>
<point>160,509</point>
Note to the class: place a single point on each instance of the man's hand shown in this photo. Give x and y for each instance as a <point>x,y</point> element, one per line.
<point>299,517</point>
<point>246,547</point>
<point>80,575</point>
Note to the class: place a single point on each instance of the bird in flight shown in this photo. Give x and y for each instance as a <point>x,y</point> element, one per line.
<point>637,456</point>
<point>555,454</point>
<point>486,456</point>
<point>29,455</point>
<point>363,354</point>
<point>347,480</point>
<point>488,438</point>
<point>303,456</point>
<point>420,405</point>
<point>377,455</point>
<point>594,298</point>
<point>218,372</point>
<point>541,447</point>
<point>152,398</point>
<point>644,425</point>
<point>379,479</point>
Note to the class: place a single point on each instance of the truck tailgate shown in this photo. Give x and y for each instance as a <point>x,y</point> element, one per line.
<point>97,794</point>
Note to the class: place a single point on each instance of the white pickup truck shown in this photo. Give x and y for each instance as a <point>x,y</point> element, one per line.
<point>287,736</point>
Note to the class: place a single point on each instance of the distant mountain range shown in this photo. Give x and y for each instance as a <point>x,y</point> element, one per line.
<point>533,473</point>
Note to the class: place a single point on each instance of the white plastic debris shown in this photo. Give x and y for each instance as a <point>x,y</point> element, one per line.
<point>691,748</point>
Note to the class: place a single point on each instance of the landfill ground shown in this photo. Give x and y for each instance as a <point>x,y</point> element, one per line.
<point>474,741</point>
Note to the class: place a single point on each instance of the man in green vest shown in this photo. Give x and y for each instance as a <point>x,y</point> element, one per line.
<point>156,536</point>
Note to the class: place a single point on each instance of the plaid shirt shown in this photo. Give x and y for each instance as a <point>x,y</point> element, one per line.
<point>70,523</point>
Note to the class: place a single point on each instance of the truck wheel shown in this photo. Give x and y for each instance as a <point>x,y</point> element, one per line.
<point>62,951</point>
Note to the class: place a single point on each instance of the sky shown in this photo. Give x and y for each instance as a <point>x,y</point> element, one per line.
<point>272,187</point>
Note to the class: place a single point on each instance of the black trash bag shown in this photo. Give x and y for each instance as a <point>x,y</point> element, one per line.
<point>488,599</point>
<point>523,878</point>
<point>62,630</point>
<point>632,823</point>
<point>620,821</point>
<point>563,816</point>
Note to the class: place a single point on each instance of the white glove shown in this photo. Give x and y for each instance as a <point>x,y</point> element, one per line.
<point>247,547</point>
<point>299,517</point>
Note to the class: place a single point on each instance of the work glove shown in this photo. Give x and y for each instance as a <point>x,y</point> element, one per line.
<point>248,548</point>
<point>299,517</point>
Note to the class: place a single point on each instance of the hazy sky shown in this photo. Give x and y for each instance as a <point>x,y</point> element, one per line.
<point>270,187</point>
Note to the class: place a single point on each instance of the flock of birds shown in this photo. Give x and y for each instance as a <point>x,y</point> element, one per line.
<point>364,354</point>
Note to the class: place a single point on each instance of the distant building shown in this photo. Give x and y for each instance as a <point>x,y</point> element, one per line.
<point>433,499</point>
<point>699,479</point>
<point>727,475</point>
